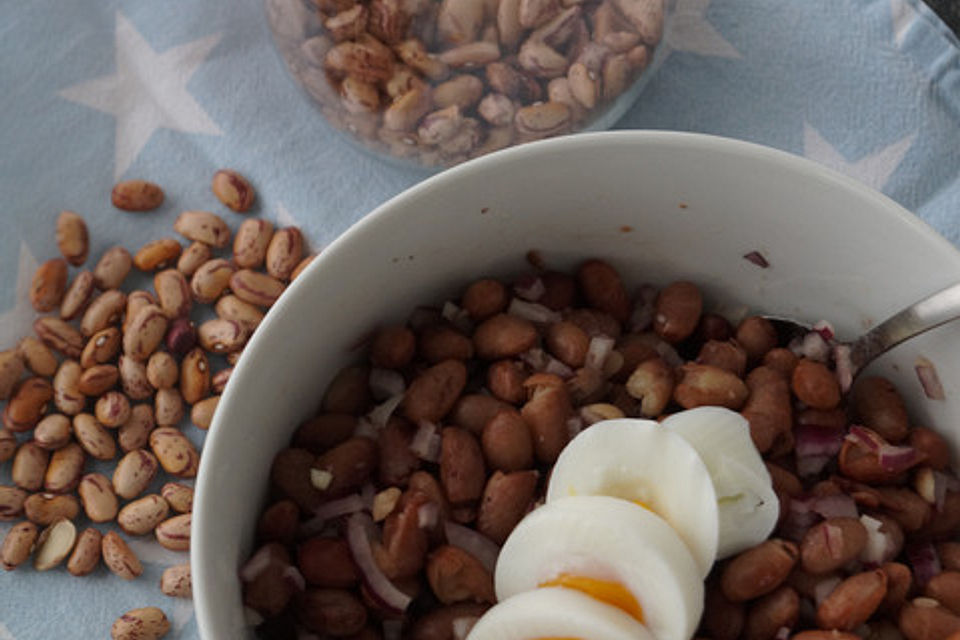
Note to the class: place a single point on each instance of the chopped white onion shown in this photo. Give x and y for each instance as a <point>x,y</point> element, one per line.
<point>535,358</point>
<point>558,368</point>
<point>643,308</point>
<point>368,493</point>
<point>839,505</point>
<point>320,479</point>
<point>812,346</point>
<point>426,442</point>
<point>575,425</point>
<point>530,288</point>
<point>929,379</point>
<point>462,626</point>
<point>328,511</point>
<point>386,383</point>
<point>843,366</point>
<point>428,514</point>
<point>294,578</point>
<point>252,617</point>
<point>600,347</point>
<point>824,588</point>
<point>456,316</point>
<point>381,413</point>
<point>879,545</point>
<point>365,429</point>
<point>473,542</point>
<point>925,560</point>
<point>257,564</point>
<point>360,527</point>
<point>533,312</point>
<point>825,329</point>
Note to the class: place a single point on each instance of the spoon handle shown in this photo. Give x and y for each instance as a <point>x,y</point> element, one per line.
<point>931,312</point>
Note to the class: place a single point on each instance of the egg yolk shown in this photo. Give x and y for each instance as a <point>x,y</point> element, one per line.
<point>612,593</point>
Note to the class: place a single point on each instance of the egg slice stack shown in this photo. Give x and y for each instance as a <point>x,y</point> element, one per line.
<point>636,514</point>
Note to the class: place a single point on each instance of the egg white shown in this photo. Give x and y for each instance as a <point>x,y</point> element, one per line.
<point>747,506</point>
<point>607,539</point>
<point>640,461</point>
<point>555,612</point>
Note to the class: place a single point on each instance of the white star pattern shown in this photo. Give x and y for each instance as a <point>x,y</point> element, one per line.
<point>284,217</point>
<point>873,170</point>
<point>147,92</point>
<point>689,31</point>
<point>18,321</point>
<point>902,14</point>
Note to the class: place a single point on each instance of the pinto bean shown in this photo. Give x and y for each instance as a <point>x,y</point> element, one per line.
<point>945,588</point>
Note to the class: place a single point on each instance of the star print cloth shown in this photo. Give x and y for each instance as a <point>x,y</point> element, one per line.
<point>173,90</point>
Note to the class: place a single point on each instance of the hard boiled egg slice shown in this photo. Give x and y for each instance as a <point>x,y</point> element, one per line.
<point>640,461</point>
<point>555,613</point>
<point>612,550</point>
<point>747,505</point>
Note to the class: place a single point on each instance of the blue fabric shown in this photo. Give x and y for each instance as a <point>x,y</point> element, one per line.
<point>173,90</point>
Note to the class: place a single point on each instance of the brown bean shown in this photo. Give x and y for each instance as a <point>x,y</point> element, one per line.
<point>270,592</point>
<point>37,356</point>
<point>859,462</point>
<point>768,407</point>
<point>456,576</point>
<point>349,464</point>
<point>485,298</point>
<point>726,354</point>
<point>433,393</point>
<point>473,411</point>
<point>707,385</point>
<point>595,323</point>
<point>603,288</point>
<point>507,443</point>
<point>677,311</point>
<point>949,553</point>
<point>201,413</point>
<point>831,544</point>
<point>336,612</point>
<point>462,471</point>
<point>231,307</point>
<point>178,496</point>
<point>251,242</point>
<point>349,391</point>
<point>758,570</point>
<point>174,533</point>
<point>926,619</point>
<point>284,252</point>
<point>853,601</point>
<point>290,474</point>
<point>878,405</point>
<point>66,388</point>
<point>932,446</point>
<point>72,237</point>
<point>945,588</point>
<point>86,553</point>
<point>503,336</point>
<point>782,360</point>
<point>48,285</point>
<point>397,461</point>
<point>903,505</point>
<point>18,544</point>
<point>393,347</point>
<point>769,614</point>
<point>326,562</point>
<point>142,515</point>
<point>652,382</point>
<point>568,343</point>
<point>815,385</point>
<point>722,619</point>
<point>324,431</point>
<point>437,343</point>
<point>28,404</point>
<point>194,376</point>
<point>757,336</point>
<point>438,623</point>
<point>256,288</point>
<point>233,190</point>
<point>505,380</point>
<point>279,522</point>
<point>506,499</point>
<point>546,413</point>
<point>899,583</point>
<point>29,466</point>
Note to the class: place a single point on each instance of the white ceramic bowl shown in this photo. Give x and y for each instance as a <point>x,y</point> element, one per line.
<point>658,205</point>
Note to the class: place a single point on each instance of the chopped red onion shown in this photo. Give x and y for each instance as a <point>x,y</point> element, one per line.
<point>360,529</point>
<point>811,465</point>
<point>825,329</point>
<point>557,368</point>
<point>925,561</point>
<point>834,506</point>
<point>929,379</point>
<point>462,626</point>
<point>456,316</point>
<point>755,257</point>
<point>833,540</point>
<point>800,517</point>
<point>256,565</point>
<point>824,588</point>
<point>381,413</point>
<point>426,442</point>
<point>812,440</point>
<point>428,514</point>
<point>386,383</point>
<point>643,308</point>
<point>530,287</point>
<point>812,346</point>
<point>575,425</point>
<point>783,633</point>
<point>392,629</point>
<point>473,542</point>
<point>600,347</point>
<point>892,458</point>
<point>330,510</point>
<point>843,366</point>
<point>533,312</point>
<point>293,577</point>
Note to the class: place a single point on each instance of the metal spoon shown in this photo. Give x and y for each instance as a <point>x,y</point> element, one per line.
<point>920,317</point>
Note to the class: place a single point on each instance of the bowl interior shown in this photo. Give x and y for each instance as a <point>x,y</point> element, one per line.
<point>659,206</point>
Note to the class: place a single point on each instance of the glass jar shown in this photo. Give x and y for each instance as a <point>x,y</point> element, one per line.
<point>437,82</point>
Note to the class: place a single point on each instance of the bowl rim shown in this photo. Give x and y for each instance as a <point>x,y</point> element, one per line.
<point>216,445</point>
